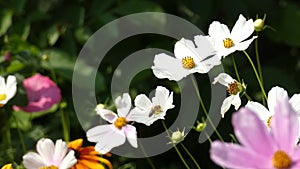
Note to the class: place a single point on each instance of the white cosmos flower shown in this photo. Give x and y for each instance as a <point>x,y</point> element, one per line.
<point>50,156</point>
<point>188,59</point>
<point>147,111</point>
<point>275,94</point>
<point>8,89</point>
<point>226,42</point>
<point>112,135</point>
<point>234,89</point>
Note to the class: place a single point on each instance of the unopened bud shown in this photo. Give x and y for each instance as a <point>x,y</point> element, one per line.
<point>259,24</point>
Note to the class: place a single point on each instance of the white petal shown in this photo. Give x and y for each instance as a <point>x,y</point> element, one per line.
<point>45,147</point>
<point>243,45</point>
<point>107,115</point>
<point>130,132</point>
<point>2,83</point>
<point>11,86</point>
<point>184,48</point>
<point>60,151</point>
<point>275,94</point>
<point>204,46</point>
<point>223,52</point>
<point>295,102</point>
<point>236,101</point>
<point>68,161</point>
<point>161,96</point>
<point>242,29</point>
<point>223,79</point>
<point>138,115</point>
<point>142,102</point>
<point>106,136</point>
<point>168,67</point>
<point>32,160</point>
<point>263,113</point>
<point>218,31</point>
<point>226,104</point>
<point>123,104</point>
<point>169,103</point>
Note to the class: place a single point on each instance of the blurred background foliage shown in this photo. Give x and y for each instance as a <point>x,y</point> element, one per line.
<point>46,36</point>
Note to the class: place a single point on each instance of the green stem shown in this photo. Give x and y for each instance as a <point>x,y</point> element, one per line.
<point>204,109</point>
<point>235,69</point>
<point>259,65</point>
<point>65,125</point>
<point>20,136</point>
<point>191,156</point>
<point>248,97</point>
<point>148,159</point>
<point>257,76</point>
<point>178,152</point>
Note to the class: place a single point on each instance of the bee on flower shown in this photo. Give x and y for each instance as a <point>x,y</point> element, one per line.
<point>147,111</point>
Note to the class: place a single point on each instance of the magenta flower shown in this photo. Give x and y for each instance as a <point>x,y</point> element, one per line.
<point>42,93</point>
<point>260,148</point>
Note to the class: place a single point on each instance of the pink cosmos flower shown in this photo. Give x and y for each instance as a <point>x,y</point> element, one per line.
<point>260,148</point>
<point>42,93</point>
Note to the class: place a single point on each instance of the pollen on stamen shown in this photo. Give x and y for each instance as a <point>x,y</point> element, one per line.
<point>269,121</point>
<point>281,160</point>
<point>120,122</point>
<point>233,88</point>
<point>188,62</point>
<point>49,167</point>
<point>228,43</point>
<point>2,97</point>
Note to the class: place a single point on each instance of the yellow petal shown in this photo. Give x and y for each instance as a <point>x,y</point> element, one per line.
<point>76,144</point>
<point>7,166</point>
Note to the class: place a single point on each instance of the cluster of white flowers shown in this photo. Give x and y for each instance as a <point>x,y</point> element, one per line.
<point>198,56</point>
<point>146,111</point>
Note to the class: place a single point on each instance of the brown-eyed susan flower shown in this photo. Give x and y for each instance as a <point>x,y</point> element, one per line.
<point>87,157</point>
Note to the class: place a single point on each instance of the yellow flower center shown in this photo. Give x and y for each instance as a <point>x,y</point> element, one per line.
<point>188,62</point>
<point>2,97</point>
<point>269,121</point>
<point>281,160</point>
<point>50,167</point>
<point>228,43</point>
<point>233,88</point>
<point>155,110</point>
<point>120,122</point>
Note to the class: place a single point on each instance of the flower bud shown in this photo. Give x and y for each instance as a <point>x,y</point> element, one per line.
<point>200,126</point>
<point>259,24</point>
<point>177,137</point>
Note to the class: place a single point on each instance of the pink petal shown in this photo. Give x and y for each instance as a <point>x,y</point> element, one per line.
<point>107,115</point>
<point>285,126</point>
<point>237,157</point>
<point>252,133</point>
<point>42,93</point>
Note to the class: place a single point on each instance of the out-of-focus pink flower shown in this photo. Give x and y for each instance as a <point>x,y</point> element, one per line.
<point>260,148</point>
<point>42,93</point>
